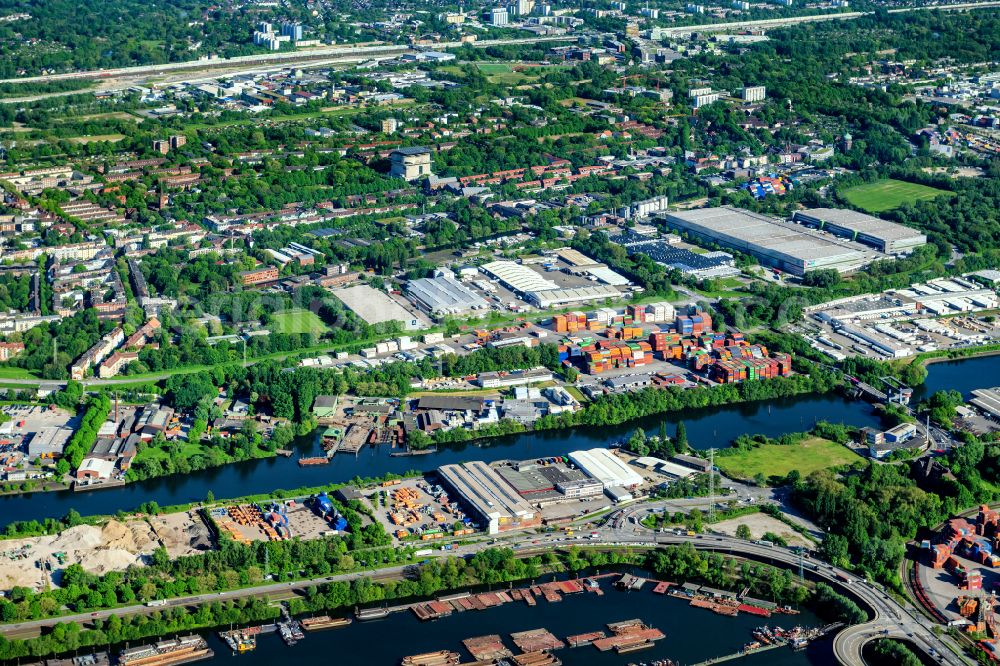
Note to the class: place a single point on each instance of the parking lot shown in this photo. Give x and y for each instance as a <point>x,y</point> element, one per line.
<point>26,421</point>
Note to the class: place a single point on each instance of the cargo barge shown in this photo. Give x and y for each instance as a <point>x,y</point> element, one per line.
<point>167,653</point>
<point>371,614</point>
<point>324,622</point>
<point>439,658</point>
<point>316,460</point>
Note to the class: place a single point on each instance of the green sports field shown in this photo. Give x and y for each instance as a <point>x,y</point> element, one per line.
<point>888,194</point>
<point>298,321</point>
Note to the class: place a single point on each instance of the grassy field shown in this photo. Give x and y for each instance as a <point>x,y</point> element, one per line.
<point>888,194</point>
<point>10,372</point>
<point>298,321</point>
<point>770,460</point>
<point>499,72</point>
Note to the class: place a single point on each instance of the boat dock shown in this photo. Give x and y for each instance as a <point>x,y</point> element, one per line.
<point>446,605</point>
<point>740,654</point>
<point>630,582</point>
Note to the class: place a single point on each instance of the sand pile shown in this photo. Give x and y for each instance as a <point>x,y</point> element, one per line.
<point>114,546</point>
<point>81,537</point>
<point>135,537</point>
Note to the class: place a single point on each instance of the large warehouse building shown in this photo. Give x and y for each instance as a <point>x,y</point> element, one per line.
<point>489,497</point>
<point>444,295</point>
<point>606,467</point>
<point>884,236</point>
<point>517,277</point>
<point>552,298</point>
<point>777,243</point>
<point>375,307</point>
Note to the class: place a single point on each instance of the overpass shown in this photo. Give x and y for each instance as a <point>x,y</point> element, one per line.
<point>889,618</point>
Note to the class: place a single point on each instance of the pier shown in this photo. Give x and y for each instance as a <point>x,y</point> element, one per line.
<point>740,654</point>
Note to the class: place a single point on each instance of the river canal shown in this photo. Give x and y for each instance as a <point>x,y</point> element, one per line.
<point>692,635</point>
<point>709,427</point>
<point>705,427</point>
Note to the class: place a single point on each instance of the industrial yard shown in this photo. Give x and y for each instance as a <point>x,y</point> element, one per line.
<point>182,533</point>
<point>956,573</point>
<point>938,315</point>
<point>275,521</point>
<point>37,562</point>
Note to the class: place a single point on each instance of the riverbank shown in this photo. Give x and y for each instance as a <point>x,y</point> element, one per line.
<point>707,427</point>
<point>335,597</point>
<point>945,355</point>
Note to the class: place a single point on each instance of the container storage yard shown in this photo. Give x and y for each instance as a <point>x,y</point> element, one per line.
<point>688,343</point>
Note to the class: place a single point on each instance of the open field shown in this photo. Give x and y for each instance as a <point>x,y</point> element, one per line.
<point>759,524</point>
<point>298,321</point>
<point>888,194</point>
<point>113,138</point>
<point>770,460</point>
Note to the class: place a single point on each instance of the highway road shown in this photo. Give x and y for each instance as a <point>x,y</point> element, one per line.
<point>889,617</point>
<point>779,22</point>
<point>121,78</point>
<point>124,77</point>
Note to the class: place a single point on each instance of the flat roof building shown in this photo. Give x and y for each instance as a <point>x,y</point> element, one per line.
<point>783,245</point>
<point>606,467</point>
<point>489,496</point>
<point>988,400</point>
<point>48,443</point>
<point>375,307</point>
<point>551,298</point>
<point>444,295</point>
<point>884,236</point>
<point>410,163</point>
<point>517,277</point>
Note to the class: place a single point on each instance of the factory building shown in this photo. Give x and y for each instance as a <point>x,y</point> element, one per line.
<point>444,295</point>
<point>887,237</point>
<point>606,467</point>
<point>776,243</point>
<point>492,500</point>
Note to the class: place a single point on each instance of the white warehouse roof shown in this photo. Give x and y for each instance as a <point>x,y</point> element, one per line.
<point>606,467</point>
<point>517,277</point>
